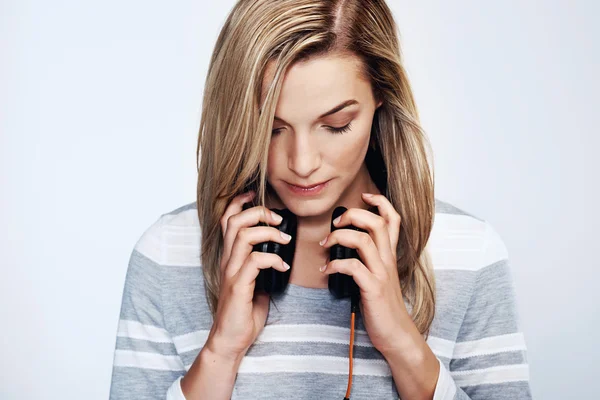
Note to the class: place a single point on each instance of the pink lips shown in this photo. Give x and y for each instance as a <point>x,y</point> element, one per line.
<point>307,191</point>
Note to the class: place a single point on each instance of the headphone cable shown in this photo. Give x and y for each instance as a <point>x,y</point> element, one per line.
<point>353,310</point>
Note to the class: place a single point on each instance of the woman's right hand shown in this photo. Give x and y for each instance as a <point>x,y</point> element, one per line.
<point>241,314</point>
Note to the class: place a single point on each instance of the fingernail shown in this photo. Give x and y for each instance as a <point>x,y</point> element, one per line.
<point>322,242</point>
<point>285,235</point>
<point>323,268</point>
<point>335,221</point>
<point>286,266</point>
<point>367,194</point>
<point>276,216</point>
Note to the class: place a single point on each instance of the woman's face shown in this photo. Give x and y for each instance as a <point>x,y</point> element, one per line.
<point>321,133</point>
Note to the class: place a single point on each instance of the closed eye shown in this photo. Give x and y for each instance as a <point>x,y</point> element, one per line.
<point>341,130</point>
<point>331,129</point>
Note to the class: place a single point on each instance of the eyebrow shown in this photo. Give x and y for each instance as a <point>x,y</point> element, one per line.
<point>335,109</point>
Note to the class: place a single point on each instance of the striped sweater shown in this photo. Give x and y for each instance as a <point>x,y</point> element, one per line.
<point>302,352</point>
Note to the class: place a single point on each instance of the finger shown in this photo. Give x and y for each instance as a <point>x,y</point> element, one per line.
<point>257,260</point>
<point>246,239</point>
<point>246,218</point>
<point>235,207</point>
<point>363,243</point>
<point>365,280</point>
<point>389,214</point>
<point>375,225</point>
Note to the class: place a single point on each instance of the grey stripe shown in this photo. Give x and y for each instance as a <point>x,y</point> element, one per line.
<point>453,293</point>
<point>285,385</point>
<point>502,391</point>
<point>125,343</point>
<point>313,349</point>
<point>141,292</point>
<point>189,206</point>
<point>492,308</point>
<point>129,383</point>
<point>488,360</point>
<point>442,207</point>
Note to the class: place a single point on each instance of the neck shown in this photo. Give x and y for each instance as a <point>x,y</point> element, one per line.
<point>313,228</point>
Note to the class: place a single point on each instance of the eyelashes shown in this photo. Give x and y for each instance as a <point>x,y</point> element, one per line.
<point>334,130</point>
<point>341,130</point>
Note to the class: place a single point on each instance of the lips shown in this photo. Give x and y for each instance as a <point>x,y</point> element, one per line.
<point>306,187</point>
<point>304,190</point>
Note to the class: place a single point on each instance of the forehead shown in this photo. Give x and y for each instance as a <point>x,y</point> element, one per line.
<point>318,78</point>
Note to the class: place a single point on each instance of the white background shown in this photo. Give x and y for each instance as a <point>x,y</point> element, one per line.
<point>100,105</point>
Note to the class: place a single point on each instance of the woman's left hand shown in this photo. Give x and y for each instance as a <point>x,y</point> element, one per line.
<point>382,306</point>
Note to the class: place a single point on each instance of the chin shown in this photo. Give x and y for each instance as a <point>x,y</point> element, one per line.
<point>309,207</point>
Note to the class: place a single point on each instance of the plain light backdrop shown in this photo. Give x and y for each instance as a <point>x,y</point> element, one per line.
<point>99,111</point>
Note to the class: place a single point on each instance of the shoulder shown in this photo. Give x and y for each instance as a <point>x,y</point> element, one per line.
<point>461,240</point>
<point>472,272</point>
<point>172,239</point>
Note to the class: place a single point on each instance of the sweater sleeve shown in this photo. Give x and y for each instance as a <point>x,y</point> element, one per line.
<point>489,359</point>
<point>146,364</point>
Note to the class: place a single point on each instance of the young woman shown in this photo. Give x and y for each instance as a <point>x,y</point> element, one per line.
<point>307,102</point>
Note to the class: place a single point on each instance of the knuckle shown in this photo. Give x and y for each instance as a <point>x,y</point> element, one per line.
<point>365,239</point>
<point>231,221</point>
<point>243,233</point>
<point>332,265</point>
<point>255,257</point>
<point>264,212</point>
<point>224,223</point>
<point>226,273</point>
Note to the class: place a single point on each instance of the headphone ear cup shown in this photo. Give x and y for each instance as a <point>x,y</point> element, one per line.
<point>342,285</point>
<point>288,225</point>
<point>271,280</point>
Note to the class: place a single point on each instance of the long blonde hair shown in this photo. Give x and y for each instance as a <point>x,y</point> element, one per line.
<point>235,129</point>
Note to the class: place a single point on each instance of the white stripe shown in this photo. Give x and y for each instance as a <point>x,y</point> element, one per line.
<point>495,248</point>
<point>146,360</point>
<point>492,375</point>
<point>312,333</point>
<point>440,347</point>
<point>173,240</point>
<point>316,333</point>
<point>137,330</point>
<point>182,238</point>
<point>150,243</point>
<point>490,345</point>
<point>307,364</point>
<point>190,341</point>
<point>456,242</point>
<point>184,220</point>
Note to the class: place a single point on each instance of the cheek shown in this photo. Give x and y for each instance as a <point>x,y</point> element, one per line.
<point>351,148</point>
<point>274,158</point>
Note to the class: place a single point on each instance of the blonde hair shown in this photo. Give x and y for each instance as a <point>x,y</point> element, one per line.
<point>235,129</point>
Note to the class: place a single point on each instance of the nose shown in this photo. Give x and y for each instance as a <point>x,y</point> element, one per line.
<point>304,156</point>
